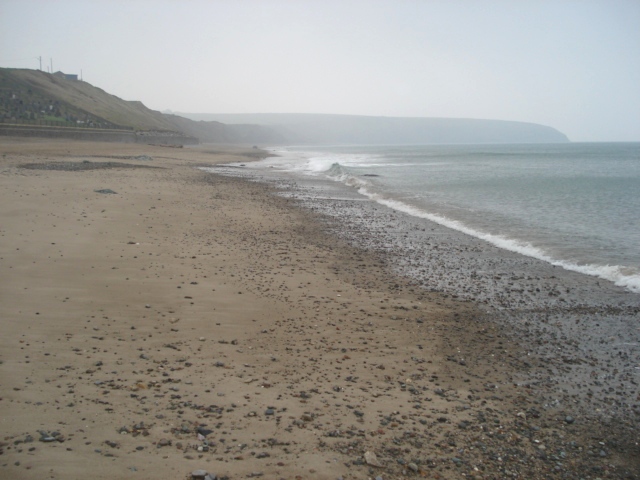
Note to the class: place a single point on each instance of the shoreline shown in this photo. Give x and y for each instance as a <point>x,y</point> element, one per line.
<point>191,302</point>
<point>582,326</point>
<point>580,333</point>
<point>326,163</point>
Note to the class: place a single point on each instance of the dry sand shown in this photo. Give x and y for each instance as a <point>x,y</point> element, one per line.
<point>192,321</point>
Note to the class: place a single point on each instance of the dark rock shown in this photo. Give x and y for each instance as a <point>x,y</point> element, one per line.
<point>204,431</point>
<point>163,442</point>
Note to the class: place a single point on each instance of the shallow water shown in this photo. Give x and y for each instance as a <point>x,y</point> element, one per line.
<point>573,205</point>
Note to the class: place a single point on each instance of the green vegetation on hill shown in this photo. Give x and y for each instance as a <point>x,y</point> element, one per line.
<point>75,101</point>
<point>23,101</point>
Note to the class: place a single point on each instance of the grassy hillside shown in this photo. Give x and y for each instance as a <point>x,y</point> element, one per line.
<point>35,97</point>
<point>42,89</point>
<point>22,102</point>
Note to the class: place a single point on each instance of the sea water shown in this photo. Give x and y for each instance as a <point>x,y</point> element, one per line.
<point>574,205</point>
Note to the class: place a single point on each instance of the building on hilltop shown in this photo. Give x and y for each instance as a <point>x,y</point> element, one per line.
<point>66,76</point>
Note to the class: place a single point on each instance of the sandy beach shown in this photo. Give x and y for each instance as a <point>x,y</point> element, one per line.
<point>158,320</point>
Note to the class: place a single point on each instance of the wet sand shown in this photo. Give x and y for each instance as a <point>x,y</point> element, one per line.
<point>192,321</point>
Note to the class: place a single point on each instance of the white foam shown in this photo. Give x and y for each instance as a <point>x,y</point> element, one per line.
<point>614,273</point>
<point>333,166</point>
<point>319,162</point>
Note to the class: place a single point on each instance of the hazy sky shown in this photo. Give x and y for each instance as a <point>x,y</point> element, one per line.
<point>572,65</point>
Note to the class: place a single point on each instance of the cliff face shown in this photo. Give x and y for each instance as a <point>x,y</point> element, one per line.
<point>322,129</point>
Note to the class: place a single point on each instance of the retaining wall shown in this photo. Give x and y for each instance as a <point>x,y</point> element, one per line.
<point>96,135</point>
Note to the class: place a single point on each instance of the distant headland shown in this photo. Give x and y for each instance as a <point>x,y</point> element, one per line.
<point>327,129</point>
<point>59,105</point>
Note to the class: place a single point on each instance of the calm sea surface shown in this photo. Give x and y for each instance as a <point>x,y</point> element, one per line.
<point>572,205</point>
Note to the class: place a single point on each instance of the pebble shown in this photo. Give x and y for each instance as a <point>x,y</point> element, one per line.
<point>47,437</point>
<point>204,431</point>
<point>372,459</point>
